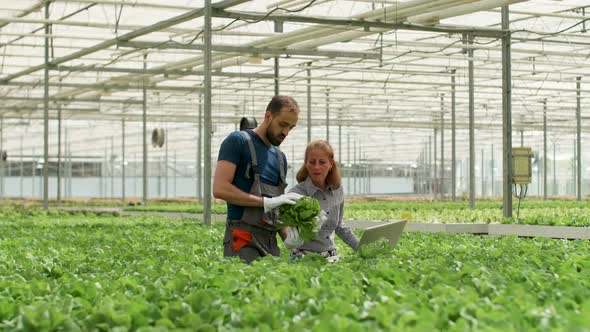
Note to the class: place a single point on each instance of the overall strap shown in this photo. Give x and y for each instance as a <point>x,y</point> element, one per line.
<point>254,162</point>
<point>280,155</point>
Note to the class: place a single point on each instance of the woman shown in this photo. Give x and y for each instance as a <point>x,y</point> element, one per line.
<point>319,178</point>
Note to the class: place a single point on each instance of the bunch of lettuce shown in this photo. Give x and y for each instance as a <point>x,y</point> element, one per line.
<point>305,214</point>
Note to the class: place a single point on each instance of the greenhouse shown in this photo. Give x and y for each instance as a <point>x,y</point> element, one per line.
<point>460,122</point>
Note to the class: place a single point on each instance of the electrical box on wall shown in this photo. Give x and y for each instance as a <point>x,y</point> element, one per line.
<point>521,165</point>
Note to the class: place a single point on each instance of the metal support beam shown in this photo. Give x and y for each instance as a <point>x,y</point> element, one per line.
<point>328,115</point>
<point>471,126</point>
<point>1,160</point>
<point>254,51</point>
<point>574,167</point>
<point>279,29</point>
<point>492,170</point>
<point>199,170</point>
<point>453,138</point>
<point>555,191</point>
<point>429,179</point>
<point>207,102</point>
<point>545,149</point>
<point>166,162</point>
<point>435,180</point>
<point>579,139</point>
<point>70,100</point>
<point>442,147</point>
<point>46,114</point>
<point>22,170</point>
<point>163,71</point>
<point>59,152</point>
<point>482,174</point>
<point>123,160</point>
<point>144,132</point>
<point>112,164</point>
<point>506,117</point>
<point>349,175</point>
<point>339,144</point>
<point>309,124</point>
<point>128,36</point>
<point>361,23</point>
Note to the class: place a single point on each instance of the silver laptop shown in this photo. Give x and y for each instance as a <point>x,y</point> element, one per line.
<point>390,231</point>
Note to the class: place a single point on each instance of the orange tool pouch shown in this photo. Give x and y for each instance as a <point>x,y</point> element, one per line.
<point>240,238</point>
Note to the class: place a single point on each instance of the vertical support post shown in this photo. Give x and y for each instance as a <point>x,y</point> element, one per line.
<point>429,179</point>
<point>555,191</point>
<point>579,139</point>
<point>1,160</point>
<point>46,114</point>
<point>104,169</point>
<point>471,126</point>
<point>112,162</point>
<point>66,144</point>
<point>59,153</point>
<point>506,116</point>
<point>175,171</point>
<point>545,149</point>
<point>539,180</point>
<point>349,175</point>
<point>99,173</point>
<point>144,130</point>
<point>442,147</point>
<point>340,143</point>
<point>574,173</point>
<point>22,170</point>
<point>308,102</point>
<point>278,28</point>
<point>492,170</point>
<point>453,137</point>
<point>354,168</point>
<point>159,176</point>
<point>166,163</point>
<point>521,137</point>
<point>199,170</point>
<point>123,160</point>
<point>208,126</point>
<point>328,115</point>
<point>482,174</point>
<point>135,175</point>
<point>424,168</point>
<point>435,165</point>
<point>70,170</point>
<point>33,173</point>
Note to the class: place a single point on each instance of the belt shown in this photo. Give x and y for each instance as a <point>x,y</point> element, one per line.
<point>249,227</point>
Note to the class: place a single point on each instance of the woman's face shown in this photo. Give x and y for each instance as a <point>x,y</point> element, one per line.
<point>318,165</point>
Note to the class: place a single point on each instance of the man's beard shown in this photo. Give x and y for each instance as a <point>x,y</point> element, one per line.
<point>274,140</point>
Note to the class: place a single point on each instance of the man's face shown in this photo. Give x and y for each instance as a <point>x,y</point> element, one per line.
<point>280,125</point>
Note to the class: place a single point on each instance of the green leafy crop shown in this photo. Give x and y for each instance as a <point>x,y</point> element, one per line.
<point>303,214</point>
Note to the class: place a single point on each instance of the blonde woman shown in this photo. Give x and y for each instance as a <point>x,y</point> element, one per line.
<point>319,178</point>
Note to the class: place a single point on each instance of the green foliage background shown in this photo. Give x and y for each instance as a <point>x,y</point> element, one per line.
<point>61,271</point>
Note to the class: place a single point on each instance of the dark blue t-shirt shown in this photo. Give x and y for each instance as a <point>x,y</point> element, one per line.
<point>235,150</point>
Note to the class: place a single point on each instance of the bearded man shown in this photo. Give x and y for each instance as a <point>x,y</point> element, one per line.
<point>250,177</point>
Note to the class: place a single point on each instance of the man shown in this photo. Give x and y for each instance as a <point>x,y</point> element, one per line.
<point>250,177</point>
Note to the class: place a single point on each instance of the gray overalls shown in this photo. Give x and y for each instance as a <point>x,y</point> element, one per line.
<point>255,234</point>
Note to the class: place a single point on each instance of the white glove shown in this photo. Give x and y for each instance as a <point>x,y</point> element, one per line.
<point>293,240</point>
<point>271,203</point>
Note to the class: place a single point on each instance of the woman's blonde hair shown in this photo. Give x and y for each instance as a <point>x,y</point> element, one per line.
<point>333,177</point>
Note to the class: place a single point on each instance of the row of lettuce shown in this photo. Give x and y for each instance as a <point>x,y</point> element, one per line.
<point>74,272</point>
<point>555,213</point>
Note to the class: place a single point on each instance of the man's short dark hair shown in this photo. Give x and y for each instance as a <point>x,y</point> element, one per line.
<point>278,103</point>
